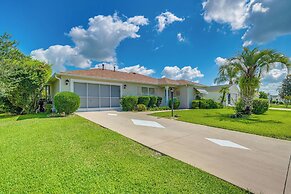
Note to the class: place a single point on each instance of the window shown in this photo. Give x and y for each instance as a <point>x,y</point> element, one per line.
<point>152,91</point>
<point>147,91</point>
<point>144,91</point>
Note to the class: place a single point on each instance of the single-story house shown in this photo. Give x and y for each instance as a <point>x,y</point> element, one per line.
<point>102,89</point>
<point>213,92</point>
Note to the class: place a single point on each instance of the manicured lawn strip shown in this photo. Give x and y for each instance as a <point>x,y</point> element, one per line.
<point>73,155</point>
<point>274,123</point>
<point>279,106</point>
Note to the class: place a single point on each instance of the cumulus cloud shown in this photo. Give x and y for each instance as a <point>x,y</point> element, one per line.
<point>258,17</point>
<point>257,7</point>
<point>138,69</point>
<point>272,80</point>
<point>220,61</point>
<point>61,56</point>
<point>165,19</point>
<point>130,69</point>
<point>232,12</point>
<point>186,73</point>
<point>98,42</point>
<point>180,37</point>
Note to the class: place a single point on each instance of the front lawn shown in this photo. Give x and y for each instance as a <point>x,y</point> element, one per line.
<point>273,123</point>
<point>279,106</point>
<point>72,155</point>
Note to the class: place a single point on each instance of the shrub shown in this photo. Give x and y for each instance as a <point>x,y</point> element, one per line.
<point>206,104</point>
<point>263,95</point>
<point>153,101</point>
<point>144,100</point>
<point>260,106</point>
<point>48,108</point>
<point>239,106</point>
<point>141,107</point>
<point>159,101</point>
<point>195,104</point>
<point>66,102</point>
<point>128,103</point>
<point>176,103</point>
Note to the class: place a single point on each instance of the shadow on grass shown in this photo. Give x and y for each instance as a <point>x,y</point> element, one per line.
<point>6,116</point>
<point>245,120</point>
<point>32,116</point>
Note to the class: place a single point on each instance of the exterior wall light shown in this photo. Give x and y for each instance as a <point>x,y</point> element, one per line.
<point>67,82</point>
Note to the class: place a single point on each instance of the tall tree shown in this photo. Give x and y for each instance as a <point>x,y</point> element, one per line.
<point>252,64</point>
<point>227,73</point>
<point>223,91</point>
<point>285,90</point>
<point>21,78</point>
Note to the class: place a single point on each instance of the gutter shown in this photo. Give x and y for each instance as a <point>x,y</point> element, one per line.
<point>60,82</point>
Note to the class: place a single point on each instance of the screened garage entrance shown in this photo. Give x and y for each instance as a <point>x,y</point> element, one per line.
<point>97,95</point>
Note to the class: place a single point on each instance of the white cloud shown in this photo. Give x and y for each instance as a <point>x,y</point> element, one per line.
<point>165,19</point>
<point>257,7</point>
<point>272,80</point>
<point>220,61</point>
<point>258,17</point>
<point>138,20</point>
<point>135,68</point>
<point>247,43</point>
<point>98,42</point>
<point>180,37</point>
<point>138,69</point>
<point>60,56</point>
<point>232,12</point>
<point>186,73</point>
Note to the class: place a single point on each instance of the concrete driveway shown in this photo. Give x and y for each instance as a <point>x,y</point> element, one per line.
<point>256,163</point>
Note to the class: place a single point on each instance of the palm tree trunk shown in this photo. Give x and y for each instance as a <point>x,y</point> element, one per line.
<point>248,89</point>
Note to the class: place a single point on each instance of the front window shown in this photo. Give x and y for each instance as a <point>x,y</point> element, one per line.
<point>147,91</point>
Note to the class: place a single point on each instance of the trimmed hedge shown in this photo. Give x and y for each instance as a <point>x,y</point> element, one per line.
<point>239,106</point>
<point>129,103</point>
<point>159,101</point>
<point>66,102</point>
<point>153,101</point>
<point>206,104</point>
<point>176,103</point>
<point>141,107</point>
<point>260,106</point>
<point>144,100</point>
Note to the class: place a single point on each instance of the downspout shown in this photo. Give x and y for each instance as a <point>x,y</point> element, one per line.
<point>60,83</point>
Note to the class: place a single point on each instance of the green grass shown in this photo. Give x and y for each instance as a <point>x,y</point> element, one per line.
<point>274,123</point>
<point>72,155</point>
<point>279,106</point>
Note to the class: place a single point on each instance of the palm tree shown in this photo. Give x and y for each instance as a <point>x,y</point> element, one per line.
<point>252,64</point>
<point>223,91</point>
<point>227,73</point>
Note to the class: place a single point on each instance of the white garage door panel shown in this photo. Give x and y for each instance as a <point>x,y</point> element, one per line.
<point>97,95</point>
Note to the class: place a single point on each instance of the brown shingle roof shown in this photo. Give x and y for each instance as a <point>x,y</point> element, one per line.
<point>126,77</point>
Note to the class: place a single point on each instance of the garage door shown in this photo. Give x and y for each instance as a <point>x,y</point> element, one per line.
<point>97,95</point>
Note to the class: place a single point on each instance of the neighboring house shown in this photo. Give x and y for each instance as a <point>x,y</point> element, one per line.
<point>275,98</point>
<point>213,92</point>
<point>101,88</point>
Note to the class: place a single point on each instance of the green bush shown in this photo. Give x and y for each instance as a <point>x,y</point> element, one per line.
<point>128,103</point>
<point>66,102</point>
<point>159,101</point>
<point>153,101</point>
<point>144,100</point>
<point>195,104</point>
<point>176,103</point>
<point>48,108</point>
<point>260,106</point>
<point>206,104</point>
<point>141,107</point>
<point>239,106</point>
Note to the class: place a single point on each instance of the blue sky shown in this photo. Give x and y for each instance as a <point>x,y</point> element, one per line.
<point>209,30</point>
